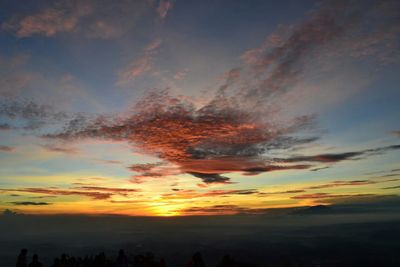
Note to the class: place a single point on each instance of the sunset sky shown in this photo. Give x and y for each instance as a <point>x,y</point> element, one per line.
<point>167,108</point>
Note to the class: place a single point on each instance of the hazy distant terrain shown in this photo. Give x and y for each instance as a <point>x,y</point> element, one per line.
<point>351,234</point>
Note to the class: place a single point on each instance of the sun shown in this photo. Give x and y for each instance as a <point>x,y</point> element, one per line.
<point>165,210</point>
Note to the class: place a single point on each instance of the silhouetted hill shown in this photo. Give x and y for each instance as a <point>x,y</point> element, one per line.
<point>318,209</point>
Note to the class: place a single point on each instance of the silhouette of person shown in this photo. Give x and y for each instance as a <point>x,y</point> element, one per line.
<point>161,263</point>
<point>21,260</point>
<point>197,260</point>
<point>227,261</point>
<point>35,261</point>
<point>122,260</point>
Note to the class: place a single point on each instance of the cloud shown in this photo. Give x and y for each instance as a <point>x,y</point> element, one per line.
<point>139,66</point>
<point>240,128</point>
<point>342,183</point>
<point>294,191</point>
<point>220,210</point>
<point>30,203</point>
<point>108,161</point>
<point>211,178</point>
<point>191,194</point>
<point>86,18</point>
<point>278,63</point>
<point>396,133</point>
<point>180,75</point>
<point>60,149</point>
<point>32,114</point>
<point>5,127</point>
<point>113,190</point>
<point>206,142</point>
<point>164,7</point>
<point>328,195</point>
<point>63,192</point>
<point>337,157</point>
<point>7,149</point>
<point>392,187</point>
<point>63,17</point>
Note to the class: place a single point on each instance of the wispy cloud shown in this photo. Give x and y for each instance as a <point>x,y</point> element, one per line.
<point>63,17</point>
<point>63,192</point>
<point>328,195</point>
<point>7,148</point>
<point>392,187</point>
<point>60,149</point>
<point>5,127</point>
<point>32,114</point>
<point>185,194</point>
<point>30,203</point>
<point>337,157</point>
<point>85,18</point>
<point>139,66</point>
<point>164,7</point>
<point>220,210</point>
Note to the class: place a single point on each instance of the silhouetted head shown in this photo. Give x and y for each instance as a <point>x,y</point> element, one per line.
<point>24,251</point>
<point>197,257</point>
<point>121,252</point>
<point>35,257</point>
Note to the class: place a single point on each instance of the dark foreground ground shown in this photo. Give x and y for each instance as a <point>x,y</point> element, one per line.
<point>337,236</point>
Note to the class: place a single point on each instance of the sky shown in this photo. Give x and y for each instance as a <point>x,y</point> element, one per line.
<point>167,108</point>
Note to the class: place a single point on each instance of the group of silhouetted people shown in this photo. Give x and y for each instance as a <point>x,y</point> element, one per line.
<point>100,260</point>
<point>22,260</point>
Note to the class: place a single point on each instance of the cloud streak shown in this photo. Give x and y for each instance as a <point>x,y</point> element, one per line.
<point>7,148</point>
<point>94,192</point>
<point>30,203</point>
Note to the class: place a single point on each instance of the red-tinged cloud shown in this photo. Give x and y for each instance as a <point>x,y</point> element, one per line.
<point>139,66</point>
<point>7,149</point>
<point>164,7</point>
<point>5,127</point>
<point>50,21</point>
<point>87,18</point>
<point>239,129</point>
<point>206,142</point>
